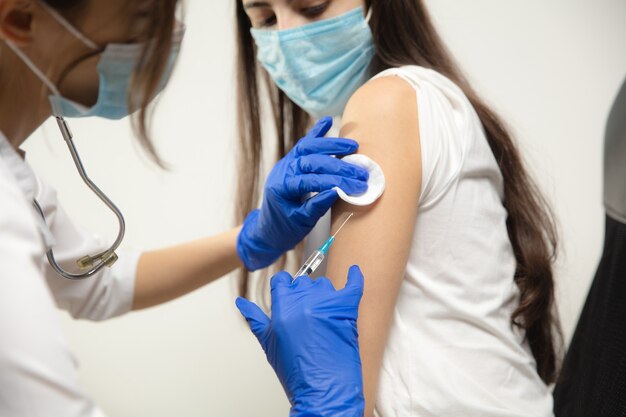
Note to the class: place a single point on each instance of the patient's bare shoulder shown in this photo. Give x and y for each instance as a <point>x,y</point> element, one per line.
<point>384,108</point>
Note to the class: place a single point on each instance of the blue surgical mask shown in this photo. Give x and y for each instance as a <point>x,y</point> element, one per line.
<point>115,70</point>
<point>319,66</point>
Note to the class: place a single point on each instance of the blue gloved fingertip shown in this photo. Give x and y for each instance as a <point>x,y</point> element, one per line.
<point>354,187</point>
<point>322,127</point>
<point>362,174</point>
<point>326,119</point>
<point>355,277</point>
<point>282,278</point>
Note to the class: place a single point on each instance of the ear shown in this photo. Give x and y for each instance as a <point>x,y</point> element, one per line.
<point>16,21</point>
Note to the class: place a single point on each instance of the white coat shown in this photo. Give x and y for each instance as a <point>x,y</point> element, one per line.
<point>38,373</point>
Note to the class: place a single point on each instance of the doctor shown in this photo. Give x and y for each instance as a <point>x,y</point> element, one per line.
<point>109,58</point>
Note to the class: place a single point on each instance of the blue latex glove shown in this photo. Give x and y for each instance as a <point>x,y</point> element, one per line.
<point>312,343</point>
<point>284,219</point>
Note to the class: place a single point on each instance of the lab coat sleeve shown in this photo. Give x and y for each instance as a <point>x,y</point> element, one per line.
<point>105,295</point>
<point>38,376</point>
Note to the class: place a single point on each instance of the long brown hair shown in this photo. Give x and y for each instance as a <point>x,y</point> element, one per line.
<point>404,35</point>
<point>151,67</point>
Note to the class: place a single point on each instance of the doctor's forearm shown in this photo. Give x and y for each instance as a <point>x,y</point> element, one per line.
<point>166,274</point>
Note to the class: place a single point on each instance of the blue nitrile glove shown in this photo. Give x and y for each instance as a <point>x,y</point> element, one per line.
<point>311,341</point>
<point>284,219</point>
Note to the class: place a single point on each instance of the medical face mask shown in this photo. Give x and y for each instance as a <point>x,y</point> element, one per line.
<point>115,70</point>
<point>320,65</point>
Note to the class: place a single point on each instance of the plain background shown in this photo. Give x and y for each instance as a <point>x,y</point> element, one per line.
<point>551,68</point>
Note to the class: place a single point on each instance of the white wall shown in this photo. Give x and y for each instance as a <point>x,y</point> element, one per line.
<point>551,67</point>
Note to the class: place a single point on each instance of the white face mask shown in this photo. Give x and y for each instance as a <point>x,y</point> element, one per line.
<point>115,69</point>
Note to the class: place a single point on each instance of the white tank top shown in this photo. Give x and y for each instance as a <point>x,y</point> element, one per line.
<point>452,351</point>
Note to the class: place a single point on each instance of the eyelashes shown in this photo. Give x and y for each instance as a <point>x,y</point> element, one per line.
<point>270,21</point>
<point>310,12</point>
<point>315,11</point>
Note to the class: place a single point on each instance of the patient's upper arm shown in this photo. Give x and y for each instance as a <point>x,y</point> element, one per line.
<point>382,116</point>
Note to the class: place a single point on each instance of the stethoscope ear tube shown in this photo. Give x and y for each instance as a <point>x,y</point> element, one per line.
<point>89,264</point>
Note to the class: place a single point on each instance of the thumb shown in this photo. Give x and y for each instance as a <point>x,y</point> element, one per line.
<point>355,280</point>
<point>316,207</point>
<point>255,317</point>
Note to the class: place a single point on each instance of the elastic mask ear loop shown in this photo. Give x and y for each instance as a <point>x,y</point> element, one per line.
<point>69,27</point>
<point>30,64</point>
<point>368,16</point>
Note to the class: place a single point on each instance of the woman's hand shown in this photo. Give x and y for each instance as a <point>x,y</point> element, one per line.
<point>284,218</point>
<point>311,341</point>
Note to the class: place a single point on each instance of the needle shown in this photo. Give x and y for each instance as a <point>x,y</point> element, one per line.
<point>342,225</point>
<point>318,256</point>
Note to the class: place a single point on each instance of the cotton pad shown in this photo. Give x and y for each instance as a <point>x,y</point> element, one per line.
<point>376,182</point>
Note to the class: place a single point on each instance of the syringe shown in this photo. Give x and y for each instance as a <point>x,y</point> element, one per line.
<point>318,256</point>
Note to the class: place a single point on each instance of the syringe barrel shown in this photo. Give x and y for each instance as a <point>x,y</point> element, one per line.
<point>311,264</point>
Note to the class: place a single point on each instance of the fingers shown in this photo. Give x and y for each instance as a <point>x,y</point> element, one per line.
<point>255,317</point>
<point>300,185</point>
<point>321,128</point>
<point>326,146</point>
<point>281,279</point>
<point>303,282</point>
<point>325,283</point>
<point>324,164</point>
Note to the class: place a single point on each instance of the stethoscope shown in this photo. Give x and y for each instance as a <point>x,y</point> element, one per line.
<point>89,264</point>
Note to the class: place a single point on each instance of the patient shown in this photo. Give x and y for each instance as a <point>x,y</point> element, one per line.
<point>458,316</point>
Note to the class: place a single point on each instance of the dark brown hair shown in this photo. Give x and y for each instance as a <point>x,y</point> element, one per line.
<point>404,35</point>
<point>151,67</point>
<point>290,122</point>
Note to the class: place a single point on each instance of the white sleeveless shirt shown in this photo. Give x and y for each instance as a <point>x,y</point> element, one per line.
<point>452,351</point>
